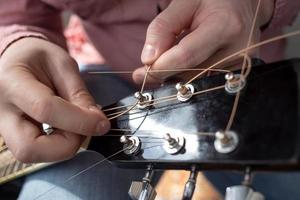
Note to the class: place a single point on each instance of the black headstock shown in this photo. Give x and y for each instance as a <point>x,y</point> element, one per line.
<point>266,124</point>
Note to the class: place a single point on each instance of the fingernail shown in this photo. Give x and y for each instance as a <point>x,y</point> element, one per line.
<point>98,106</point>
<point>102,127</point>
<point>148,54</point>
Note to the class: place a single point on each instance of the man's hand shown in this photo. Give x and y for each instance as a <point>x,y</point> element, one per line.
<point>40,83</point>
<point>194,32</point>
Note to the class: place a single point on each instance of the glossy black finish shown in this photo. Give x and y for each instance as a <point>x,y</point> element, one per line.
<point>266,122</point>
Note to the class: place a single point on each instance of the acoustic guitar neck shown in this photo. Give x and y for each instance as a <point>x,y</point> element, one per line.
<point>10,168</point>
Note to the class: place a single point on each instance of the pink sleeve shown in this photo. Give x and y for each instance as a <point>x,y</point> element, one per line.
<point>285,13</point>
<point>29,18</point>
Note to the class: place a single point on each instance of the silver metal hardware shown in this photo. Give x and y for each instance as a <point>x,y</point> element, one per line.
<point>184,92</point>
<point>131,144</point>
<point>173,144</point>
<point>144,100</point>
<point>242,192</point>
<point>143,190</point>
<point>226,141</point>
<point>234,82</point>
<point>47,129</point>
<point>190,185</point>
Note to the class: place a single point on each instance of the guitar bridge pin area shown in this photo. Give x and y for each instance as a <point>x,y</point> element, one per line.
<point>131,144</point>
<point>144,99</point>
<point>226,141</point>
<point>234,82</point>
<point>184,92</point>
<point>173,144</point>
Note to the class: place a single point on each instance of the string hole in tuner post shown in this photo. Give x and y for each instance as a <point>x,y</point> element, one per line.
<point>131,144</point>
<point>234,82</point>
<point>226,141</point>
<point>184,92</point>
<point>144,100</point>
<point>173,144</point>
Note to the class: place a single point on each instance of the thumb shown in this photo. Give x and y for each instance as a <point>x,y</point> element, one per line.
<point>164,29</point>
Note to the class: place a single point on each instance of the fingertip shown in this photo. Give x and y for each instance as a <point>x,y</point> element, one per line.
<point>148,54</point>
<point>139,75</point>
<point>103,127</point>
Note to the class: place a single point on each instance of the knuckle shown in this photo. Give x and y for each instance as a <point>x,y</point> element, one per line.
<point>23,153</point>
<point>157,25</point>
<point>41,109</point>
<point>236,26</point>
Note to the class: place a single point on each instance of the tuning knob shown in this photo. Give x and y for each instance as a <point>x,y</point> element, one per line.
<point>143,190</point>
<point>241,192</point>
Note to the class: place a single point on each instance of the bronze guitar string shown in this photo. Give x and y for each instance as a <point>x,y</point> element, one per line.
<point>236,54</point>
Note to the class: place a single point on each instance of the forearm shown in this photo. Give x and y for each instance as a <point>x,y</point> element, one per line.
<point>29,18</point>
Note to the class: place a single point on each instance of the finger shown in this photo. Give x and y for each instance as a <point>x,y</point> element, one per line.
<point>163,30</point>
<point>40,103</point>
<point>28,145</point>
<point>68,83</point>
<point>193,49</point>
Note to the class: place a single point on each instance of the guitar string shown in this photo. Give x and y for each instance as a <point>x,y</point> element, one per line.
<point>238,53</point>
<point>81,172</point>
<point>160,71</point>
<point>174,97</point>
<point>257,45</point>
<point>141,91</point>
<point>249,48</point>
<point>273,39</point>
<point>246,64</point>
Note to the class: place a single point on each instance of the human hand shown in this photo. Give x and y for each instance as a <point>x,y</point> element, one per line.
<point>40,83</point>
<point>198,33</point>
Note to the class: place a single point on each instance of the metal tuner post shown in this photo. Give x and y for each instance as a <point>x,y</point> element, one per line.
<point>190,185</point>
<point>143,190</point>
<point>243,191</point>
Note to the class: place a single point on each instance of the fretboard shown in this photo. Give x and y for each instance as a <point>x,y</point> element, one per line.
<point>10,168</point>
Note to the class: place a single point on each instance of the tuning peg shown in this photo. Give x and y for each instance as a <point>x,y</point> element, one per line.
<point>143,190</point>
<point>234,82</point>
<point>144,99</point>
<point>184,91</point>
<point>132,145</point>
<point>190,185</point>
<point>244,191</point>
<point>226,141</point>
<point>173,144</point>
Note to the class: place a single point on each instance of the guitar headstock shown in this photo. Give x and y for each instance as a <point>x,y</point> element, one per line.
<point>173,133</point>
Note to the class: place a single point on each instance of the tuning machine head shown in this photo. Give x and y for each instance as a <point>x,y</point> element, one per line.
<point>173,144</point>
<point>234,82</point>
<point>226,141</point>
<point>144,99</point>
<point>184,92</point>
<point>131,144</point>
